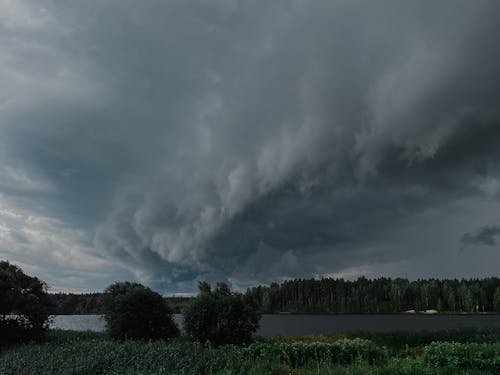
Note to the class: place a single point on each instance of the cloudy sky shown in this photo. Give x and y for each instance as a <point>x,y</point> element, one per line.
<point>249,141</point>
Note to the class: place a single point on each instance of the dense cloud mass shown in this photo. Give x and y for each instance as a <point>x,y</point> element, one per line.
<point>486,236</point>
<point>250,142</point>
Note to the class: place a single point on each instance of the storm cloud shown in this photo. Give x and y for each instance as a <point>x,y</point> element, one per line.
<point>172,142</point>
<point>485,236</point>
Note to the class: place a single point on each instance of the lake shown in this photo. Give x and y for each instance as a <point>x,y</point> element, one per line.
<point>302,324</point>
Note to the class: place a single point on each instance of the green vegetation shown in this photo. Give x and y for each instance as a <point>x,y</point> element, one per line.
<point>220,317</point>
<point>72,304</point>
<point>467,352</point>
<point>92,303</point>
<point>24,305</point>
<point>219,326</point>
<point>399,344</point>
<point>298,354</point>
<point>133,311</point>
<point>472,355</point>
<point>383,295</point>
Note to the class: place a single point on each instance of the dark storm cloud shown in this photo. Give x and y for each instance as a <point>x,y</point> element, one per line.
<point>485,236</point>
<point>230,140</point>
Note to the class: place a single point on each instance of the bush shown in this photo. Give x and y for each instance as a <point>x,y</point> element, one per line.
<point>298,354</point>
<point>24,305</point>
<point>220,317</point>
<point>104,356</point>
<point>133,311</point>
<point>472,355</point>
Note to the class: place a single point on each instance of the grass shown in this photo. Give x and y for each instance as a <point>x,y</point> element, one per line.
<point>471,352</point>
<point>402,343</point>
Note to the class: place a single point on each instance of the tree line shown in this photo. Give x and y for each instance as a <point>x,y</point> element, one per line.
<point>382,295</point>
<point>92,303</point>
<point>327,295</point>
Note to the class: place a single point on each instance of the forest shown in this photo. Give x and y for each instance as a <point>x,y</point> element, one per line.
<point>382,295</point>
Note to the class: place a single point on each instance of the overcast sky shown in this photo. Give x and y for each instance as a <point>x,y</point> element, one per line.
<point>249,141</point>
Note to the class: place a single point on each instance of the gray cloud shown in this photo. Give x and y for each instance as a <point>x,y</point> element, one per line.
<point>485,236</point>
<point>227,140</point>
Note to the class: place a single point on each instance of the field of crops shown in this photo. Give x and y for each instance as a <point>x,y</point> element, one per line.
<point>453,352</point>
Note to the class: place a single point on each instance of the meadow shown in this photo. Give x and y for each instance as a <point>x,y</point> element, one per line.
<point>448,352</point>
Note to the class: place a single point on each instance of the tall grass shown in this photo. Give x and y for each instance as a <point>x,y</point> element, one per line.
<point>95,353</point>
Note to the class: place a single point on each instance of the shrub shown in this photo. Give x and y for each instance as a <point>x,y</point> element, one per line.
<point>298,354</point>
<point>24,305</point>
<point>133,311</point>
<point>220,317</point>
<point>471,355</point>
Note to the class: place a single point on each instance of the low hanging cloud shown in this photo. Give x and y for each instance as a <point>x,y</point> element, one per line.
<point>244,142</point>
<point>485,236</point>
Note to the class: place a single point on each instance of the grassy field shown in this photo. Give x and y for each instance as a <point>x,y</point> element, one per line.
<point>450,352</point>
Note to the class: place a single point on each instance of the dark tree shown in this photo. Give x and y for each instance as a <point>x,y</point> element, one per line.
<point>74,304</point>
<point>24,305</point>
<point>496,300</point>
<point>221,317</point>
<point>133,311</point>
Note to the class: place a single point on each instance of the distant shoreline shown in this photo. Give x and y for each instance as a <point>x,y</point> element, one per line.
<point>343,313</point>
<point>272,325</point>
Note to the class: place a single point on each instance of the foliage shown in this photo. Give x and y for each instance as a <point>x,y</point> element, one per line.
<point>403,340</point>
<point>95,353</point>
<point>298,354</point>
<point>91,303</point>
<point>133,311</point>
<point>73,304</point>
<point>472,355</point>
<point>24,305</point>
<point>98,356</point>
<point>383,295</point>
<point>220,317</point>
<point>405,343</point>
<point>496,300</point>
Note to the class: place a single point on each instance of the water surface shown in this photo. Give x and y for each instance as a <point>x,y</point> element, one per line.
<point>298,324</point>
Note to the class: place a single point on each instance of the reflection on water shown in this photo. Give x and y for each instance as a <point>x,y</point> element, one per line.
<point>295,325</point>
<point>79,322</point>
<point>88,322</point>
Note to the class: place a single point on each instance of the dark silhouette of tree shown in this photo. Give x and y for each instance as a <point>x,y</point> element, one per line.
<point>24,305</point>
<point>133,311</point>
<point>221,317</point>
<point>496,300</point>
<point>91,303</point>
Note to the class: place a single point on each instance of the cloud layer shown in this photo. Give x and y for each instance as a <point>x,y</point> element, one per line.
<point>485,236</point>
<point>179,141</point>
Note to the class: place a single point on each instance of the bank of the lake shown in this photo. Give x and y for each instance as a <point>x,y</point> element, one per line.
<point>459,352</point>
